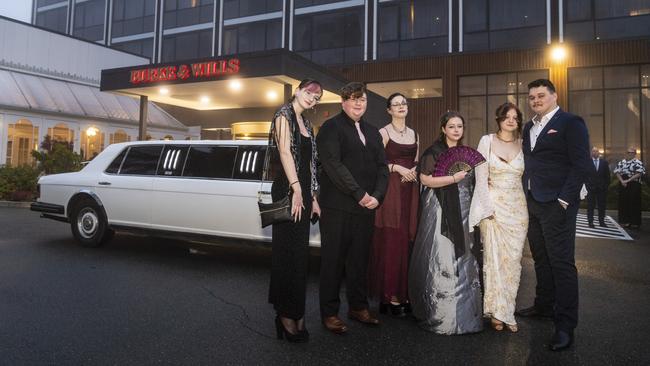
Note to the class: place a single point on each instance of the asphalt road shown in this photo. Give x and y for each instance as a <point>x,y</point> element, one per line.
<point>141,301</point>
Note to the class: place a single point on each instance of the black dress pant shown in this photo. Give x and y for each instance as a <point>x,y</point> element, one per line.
<point>551,234</point>
<point>629,204</point>
<point>345,245</point>
<point>597,197</point>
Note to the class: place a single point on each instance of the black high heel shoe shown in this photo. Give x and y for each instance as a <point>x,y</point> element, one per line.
<point>397,311</point>
<point>303,331</point>
<point>282,332</point>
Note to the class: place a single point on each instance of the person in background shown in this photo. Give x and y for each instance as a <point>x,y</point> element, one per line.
<point>629,172</point>
<point>597,186</point>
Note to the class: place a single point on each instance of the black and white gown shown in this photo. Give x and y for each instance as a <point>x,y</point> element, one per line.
<point>444,281</point>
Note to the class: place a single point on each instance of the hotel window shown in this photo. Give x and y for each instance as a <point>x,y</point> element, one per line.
<point>244,8</point>
<point>119,136</point>
<point>334,37</point>
<point>480,95</point>
<point>306,3</point>
<point>92,142</point>
<point>89,19</point>
<point>499,24</point>
<point>184,46</point>
<point>613,101</point>
<point>22,139</point>
<point>249,37</point>
<point>61,133</point>
<point>131,17</point>
<point>52,15</point>
<point>181,13</point>
<point>412,28</point>
<point>588,20</point>
<point>142,47</point>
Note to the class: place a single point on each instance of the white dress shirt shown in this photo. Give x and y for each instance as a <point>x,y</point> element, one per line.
<point>538,126</point>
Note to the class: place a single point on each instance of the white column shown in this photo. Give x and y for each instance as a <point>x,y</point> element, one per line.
<point>76,143</point>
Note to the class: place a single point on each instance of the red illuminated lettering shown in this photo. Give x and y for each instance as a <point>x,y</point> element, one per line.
<point>183,72</point>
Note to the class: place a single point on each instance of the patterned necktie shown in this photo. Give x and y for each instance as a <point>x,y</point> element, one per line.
<point>363,138</point>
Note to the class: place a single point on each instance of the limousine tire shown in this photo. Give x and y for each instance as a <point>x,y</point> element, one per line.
<point>88,223</point>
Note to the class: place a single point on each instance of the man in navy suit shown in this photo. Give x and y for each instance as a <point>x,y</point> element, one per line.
<point>556,155</point>
<point>597,187</point>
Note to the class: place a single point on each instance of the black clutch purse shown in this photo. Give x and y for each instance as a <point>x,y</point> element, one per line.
<point>275,212</point>
<point>278,211</point>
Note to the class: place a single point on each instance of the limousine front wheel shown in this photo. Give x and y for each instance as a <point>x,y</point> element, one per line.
<point>88,224</point>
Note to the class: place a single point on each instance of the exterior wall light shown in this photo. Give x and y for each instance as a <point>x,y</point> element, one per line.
<point>558,53</point>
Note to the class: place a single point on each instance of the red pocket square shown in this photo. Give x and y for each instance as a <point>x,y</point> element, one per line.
<point>551,131</point>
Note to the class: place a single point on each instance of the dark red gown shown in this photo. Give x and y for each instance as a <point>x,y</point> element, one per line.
<point>395,228</point>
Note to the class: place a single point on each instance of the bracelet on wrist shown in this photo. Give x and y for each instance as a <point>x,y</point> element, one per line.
<point>293,183</point>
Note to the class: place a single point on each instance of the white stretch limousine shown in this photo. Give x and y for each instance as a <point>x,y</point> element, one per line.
<point>195,190</point>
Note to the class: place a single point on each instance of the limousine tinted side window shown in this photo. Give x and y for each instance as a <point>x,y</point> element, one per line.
<point>141,160</point>
<point>172,160</point>
<point>114,166</point>
<point>250,161</point>
<point>204,161</point>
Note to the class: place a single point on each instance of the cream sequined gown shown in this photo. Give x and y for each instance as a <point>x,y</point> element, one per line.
<point>499,193</point>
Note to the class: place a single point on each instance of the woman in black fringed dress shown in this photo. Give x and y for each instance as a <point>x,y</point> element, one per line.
<point>294,137</point>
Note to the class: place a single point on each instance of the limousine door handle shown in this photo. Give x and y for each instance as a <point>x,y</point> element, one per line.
<point>104,183</point>
<point>263,192</point>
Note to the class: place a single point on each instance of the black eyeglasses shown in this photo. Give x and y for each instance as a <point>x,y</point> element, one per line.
<point>404,103</point>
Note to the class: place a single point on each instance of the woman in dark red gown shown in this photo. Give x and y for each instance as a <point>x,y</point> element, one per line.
<point>396,218</point>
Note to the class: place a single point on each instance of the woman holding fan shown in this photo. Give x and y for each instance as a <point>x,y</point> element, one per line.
<point>444,286</point>
<point>499,209</point>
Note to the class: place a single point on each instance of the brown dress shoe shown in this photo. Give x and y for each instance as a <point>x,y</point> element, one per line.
<point>363,316</point>
<point>335,325</point>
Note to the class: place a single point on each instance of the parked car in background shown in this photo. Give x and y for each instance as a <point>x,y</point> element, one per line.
<point>194,190</point>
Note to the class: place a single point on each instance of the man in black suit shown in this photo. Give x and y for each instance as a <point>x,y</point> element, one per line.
<point>353,179</point>
<point>597,187</point>
<point>556,155</point>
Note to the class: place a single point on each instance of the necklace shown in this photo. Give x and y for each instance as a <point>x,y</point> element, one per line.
<point>499,137</point>
<point>402,132</point>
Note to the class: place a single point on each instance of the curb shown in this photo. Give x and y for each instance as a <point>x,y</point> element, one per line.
<point>15,204</point>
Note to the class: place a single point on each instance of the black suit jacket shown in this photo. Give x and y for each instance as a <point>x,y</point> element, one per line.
<point>599,179</point>
<point>349,169</point>
<point>560,162</point>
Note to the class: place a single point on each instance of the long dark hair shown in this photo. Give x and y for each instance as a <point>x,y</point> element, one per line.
<point>443,123</point>
<point>502,113</point>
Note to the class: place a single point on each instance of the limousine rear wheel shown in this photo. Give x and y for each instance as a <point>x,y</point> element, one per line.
<point>88,223</point>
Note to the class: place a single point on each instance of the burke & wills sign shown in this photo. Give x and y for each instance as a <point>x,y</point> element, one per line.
<point>196,71</point>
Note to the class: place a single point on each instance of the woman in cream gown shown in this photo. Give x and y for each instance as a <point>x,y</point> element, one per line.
<point>499,210</point>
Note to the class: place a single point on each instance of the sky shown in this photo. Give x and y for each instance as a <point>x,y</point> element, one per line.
<point>17,9</point>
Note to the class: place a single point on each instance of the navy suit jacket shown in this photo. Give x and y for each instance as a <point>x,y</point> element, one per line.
<point>560,162</point>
